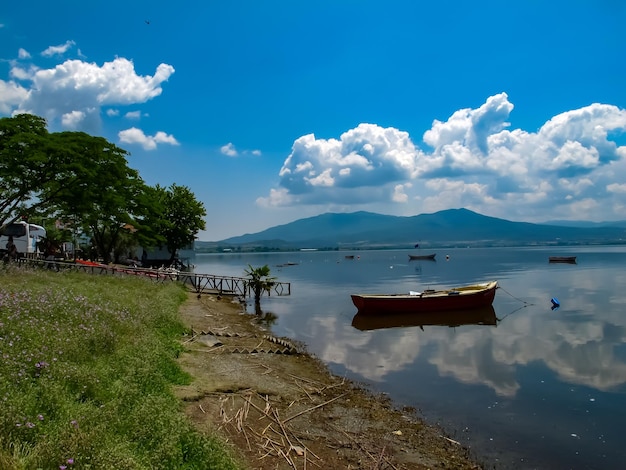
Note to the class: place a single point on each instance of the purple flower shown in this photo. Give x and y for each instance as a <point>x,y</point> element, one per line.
<point>40,417</point>
<point>30,425</point>
<point>62,467</point>
<point>70,461</point>
<point>74,423</point>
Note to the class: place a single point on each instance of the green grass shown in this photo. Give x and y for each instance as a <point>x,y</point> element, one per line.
<point>87,367</point>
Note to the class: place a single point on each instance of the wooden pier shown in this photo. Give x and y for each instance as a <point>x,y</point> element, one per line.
<point>199,283</point>
<point>226,285</point>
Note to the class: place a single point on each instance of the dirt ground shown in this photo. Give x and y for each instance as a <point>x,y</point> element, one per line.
<point>280,408</point>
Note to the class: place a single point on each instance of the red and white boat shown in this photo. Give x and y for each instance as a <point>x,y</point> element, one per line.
<point>429,300</point>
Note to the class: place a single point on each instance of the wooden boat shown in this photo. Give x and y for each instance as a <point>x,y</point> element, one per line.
<point>562,259</point>
<point>457,298</point>
<point>349,256</point>
<point>452,318</point>
<point>429,257</point>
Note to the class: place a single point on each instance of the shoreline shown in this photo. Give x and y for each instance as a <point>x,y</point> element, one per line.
<point>277,406</point>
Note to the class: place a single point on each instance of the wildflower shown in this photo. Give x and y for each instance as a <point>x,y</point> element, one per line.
<point>74,423</point>
<point>70,461</point>
<point>40,417</point>
<point>30,425</point>
<point>62,467</point>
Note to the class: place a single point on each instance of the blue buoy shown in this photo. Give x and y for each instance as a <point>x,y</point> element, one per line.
<point>555,303</point>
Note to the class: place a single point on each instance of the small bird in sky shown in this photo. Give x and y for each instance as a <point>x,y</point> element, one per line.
<point>147,22</point>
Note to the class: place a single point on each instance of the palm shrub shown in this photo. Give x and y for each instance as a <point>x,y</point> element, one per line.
<point>259,281</point>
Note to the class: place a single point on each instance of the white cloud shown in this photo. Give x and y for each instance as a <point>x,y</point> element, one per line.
<point>398,193</point>
<point>113,112</point>
<point>276,198</point>
<point>133,115</point>
<point>58,50</point>
<point>616,188</point>
<point>229,150</point>
<point>23,54</point>
<point>73,119</point>
<point>368,155</point>
<point>137,136</point>
<point>75,86</point>
<point>475,160</point>
<point>22,74</point>
<point>11,95</point>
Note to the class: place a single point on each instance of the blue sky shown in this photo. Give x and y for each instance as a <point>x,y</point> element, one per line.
<point>277,110</point>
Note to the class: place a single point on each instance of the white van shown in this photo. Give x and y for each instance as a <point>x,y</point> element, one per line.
<point>25,236</point>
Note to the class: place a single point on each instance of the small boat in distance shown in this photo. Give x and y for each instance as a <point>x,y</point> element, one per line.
<point>429,257</point>
<point>450,318</point>
<point>429,300</point>
<point>562,259</point>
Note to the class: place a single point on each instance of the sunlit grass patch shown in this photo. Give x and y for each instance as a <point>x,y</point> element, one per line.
<point>87,363</point>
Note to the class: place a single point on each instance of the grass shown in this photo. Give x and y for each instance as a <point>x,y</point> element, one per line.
<point>87,367</point>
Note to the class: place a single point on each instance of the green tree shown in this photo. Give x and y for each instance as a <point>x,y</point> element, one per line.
<point>173,217</point>
<point>259,281</point>
<point>70,175</point>
<point>25,169</point>
<point>100,191</point>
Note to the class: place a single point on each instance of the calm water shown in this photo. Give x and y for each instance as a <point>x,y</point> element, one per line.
<point>542,389</point>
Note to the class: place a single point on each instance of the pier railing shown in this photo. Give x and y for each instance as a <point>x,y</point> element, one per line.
<point>200,283</point>
<point>226,285</point>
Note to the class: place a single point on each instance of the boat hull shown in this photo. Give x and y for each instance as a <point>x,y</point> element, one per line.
<point>431,256</point>
<point>562,259</point>
<point>458,298</point>
<point>450,318</point>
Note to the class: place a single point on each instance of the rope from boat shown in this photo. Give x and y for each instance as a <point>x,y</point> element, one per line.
<point>526,304</point>
<point>511,313</point>
<point>516,298</point>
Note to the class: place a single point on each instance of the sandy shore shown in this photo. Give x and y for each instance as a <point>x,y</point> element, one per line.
<point>280,408</point>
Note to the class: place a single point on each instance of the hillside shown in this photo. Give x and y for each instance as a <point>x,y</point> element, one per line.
<point>451,227</point>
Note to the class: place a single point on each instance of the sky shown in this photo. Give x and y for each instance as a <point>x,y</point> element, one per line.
<point>279,110</point>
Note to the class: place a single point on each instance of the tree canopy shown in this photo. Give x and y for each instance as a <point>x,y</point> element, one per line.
<point>25,170</point>
<point>176,216</point>
<point>86,182</point>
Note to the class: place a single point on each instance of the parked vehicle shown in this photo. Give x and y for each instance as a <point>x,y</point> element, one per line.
<point>26,237</point>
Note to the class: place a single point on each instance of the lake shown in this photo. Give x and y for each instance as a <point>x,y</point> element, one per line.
<point>543,388</point>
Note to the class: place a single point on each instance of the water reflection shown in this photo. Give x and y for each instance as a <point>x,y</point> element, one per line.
<point>451,318</point>
<point>565,366</point>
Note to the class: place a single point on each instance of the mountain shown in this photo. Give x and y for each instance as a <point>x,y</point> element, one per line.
<point>453,227</point>
<point>584,223</point>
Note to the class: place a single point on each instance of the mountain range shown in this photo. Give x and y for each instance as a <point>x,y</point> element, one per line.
<point>453,227</point>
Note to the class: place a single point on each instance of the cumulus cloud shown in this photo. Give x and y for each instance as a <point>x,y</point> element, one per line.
<point>73,119</point>
<point>229,150</point>
<point>134,115</point>
<point>399,194</point>
<point>58,50</point>
<point>11,95</point>
<point>364,157</point>
<point>137,136</point>
<point>75,87</point>
<point>473,159</point>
